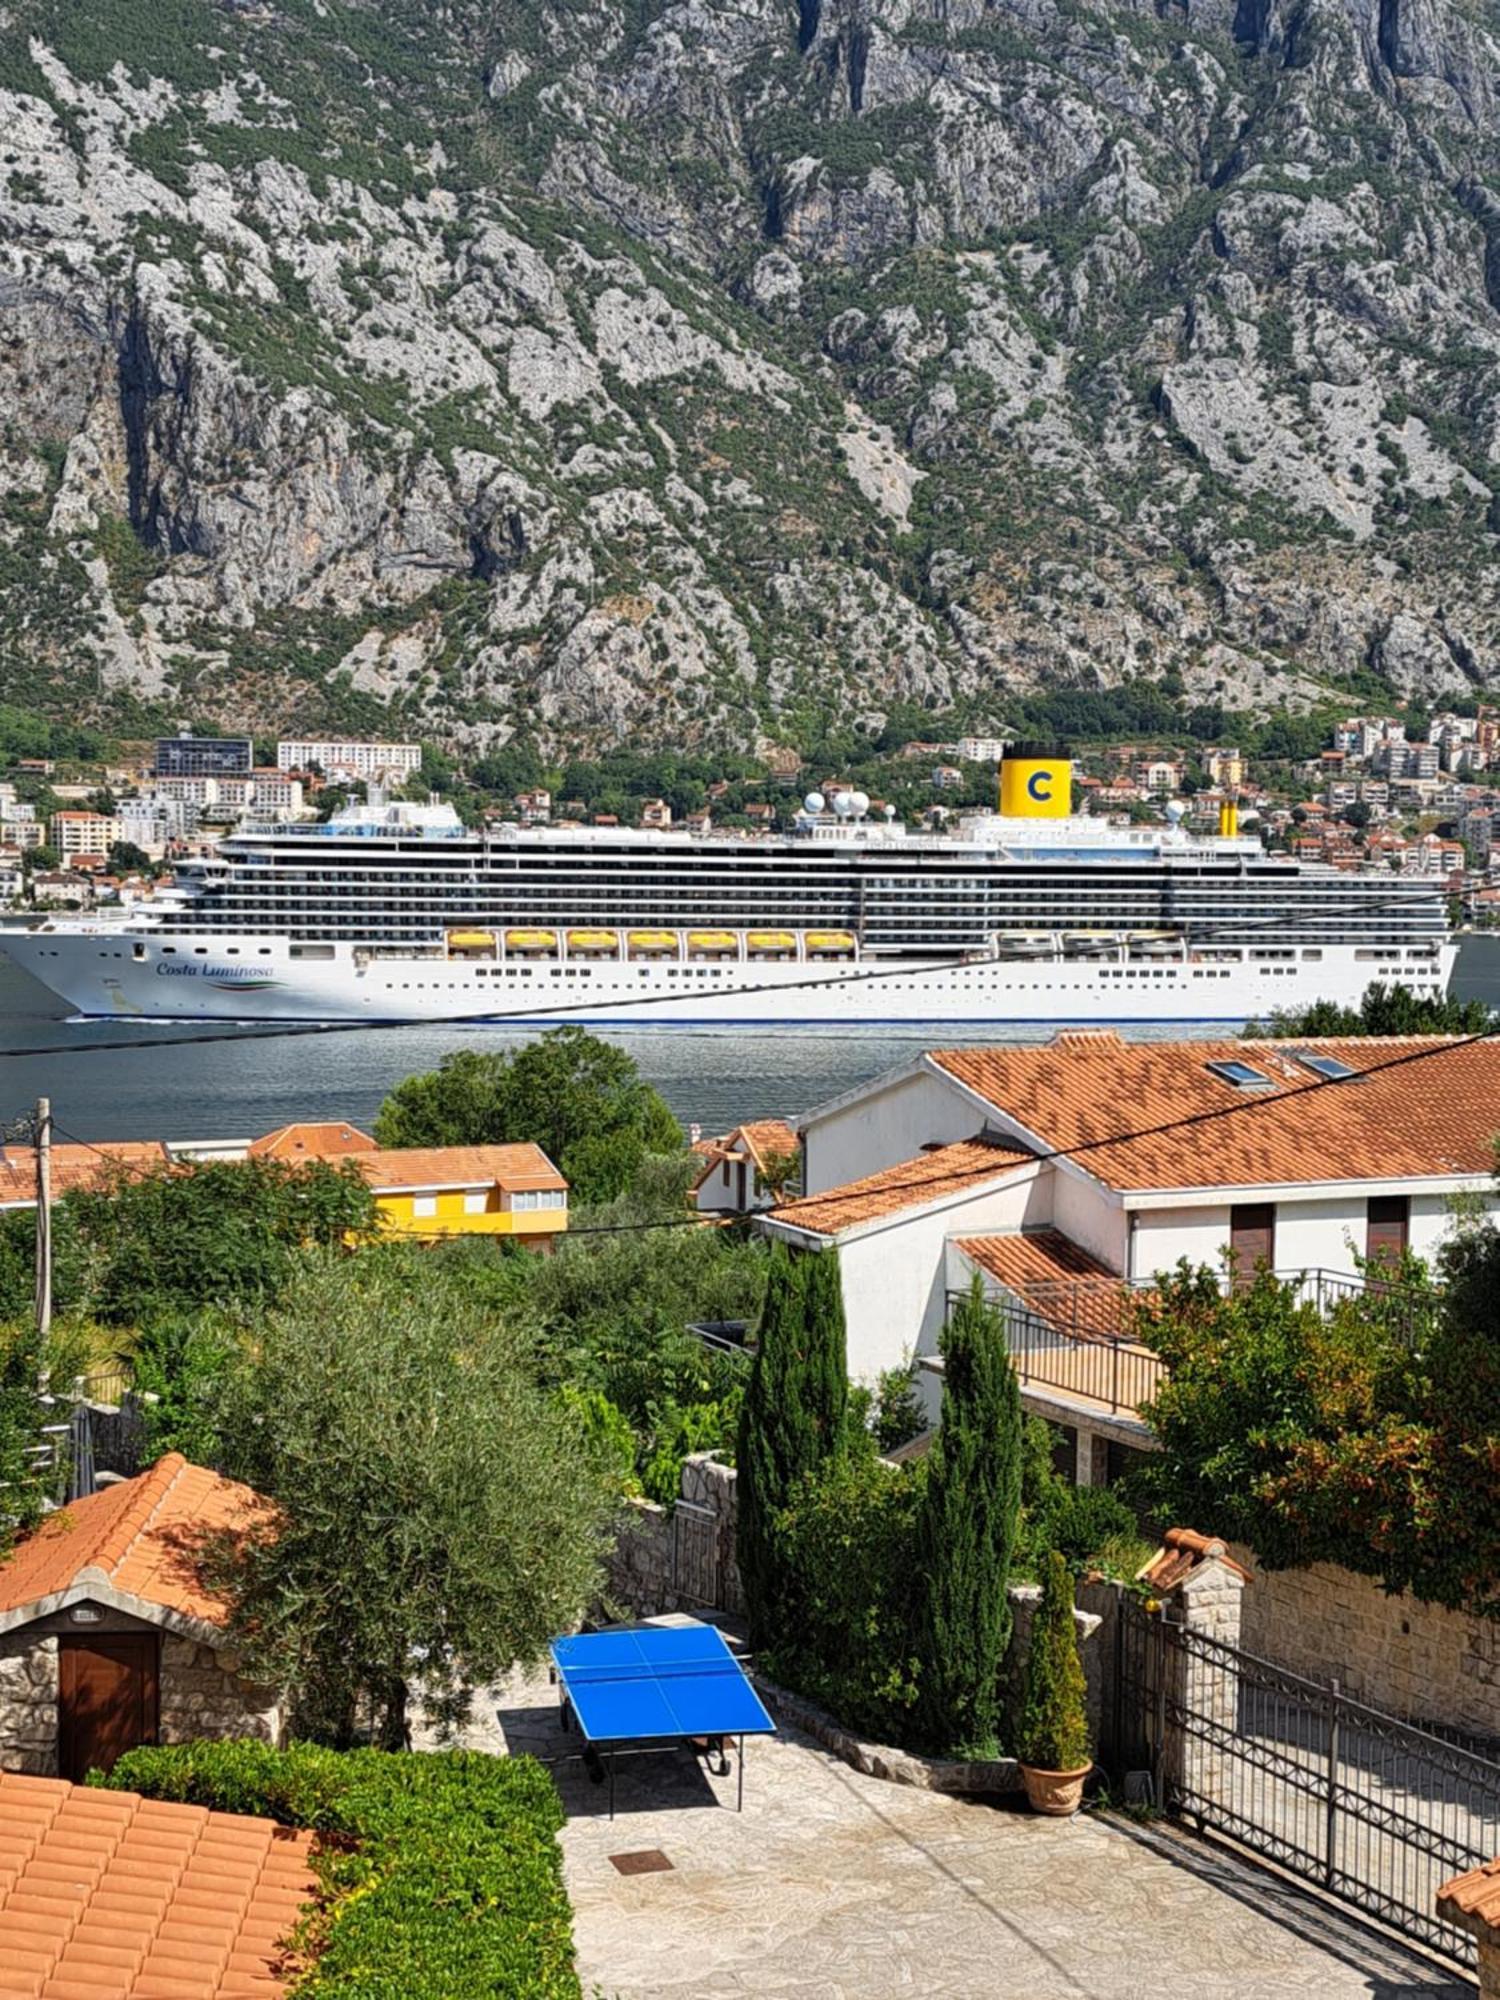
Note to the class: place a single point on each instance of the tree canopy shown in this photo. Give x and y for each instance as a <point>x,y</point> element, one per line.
<point>1368,1436</point>
<point>439,1515</point>
<point>579,1098</point>
<point>1384,1010</point>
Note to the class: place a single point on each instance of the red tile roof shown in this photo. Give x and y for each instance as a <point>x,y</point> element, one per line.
<point>1431,1118</point>
<point>315,1142</point>
<point>136,1538</point>
<point>523,1167</point>
<point>759,1139</point>
<point>109,1896</point>
<point>75,1167</point>
<point>1472,1901</point>
<point>1056,1280</point>
<point>914,1183</point>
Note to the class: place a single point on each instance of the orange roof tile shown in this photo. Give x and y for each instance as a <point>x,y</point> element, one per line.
<point>75,1167</point>
<point>518,1166</point>
<point>1182,1551</point>
<point>1472,1901</point>
<point>98,1898</point>
<point>914,1183</point>
<point>1057,1280</point>
<point>1434,1118</point>
<point>317,1142</point>
<point>135,1537</point>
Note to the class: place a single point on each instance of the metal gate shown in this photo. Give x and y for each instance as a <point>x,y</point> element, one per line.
<point>1372,1809</point>
<point>697,1568</point>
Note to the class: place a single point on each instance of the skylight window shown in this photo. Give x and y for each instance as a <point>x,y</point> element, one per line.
<point>1328,1067</point>
<point>1243,1076</point>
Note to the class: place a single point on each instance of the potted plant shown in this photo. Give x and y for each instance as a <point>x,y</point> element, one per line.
<point>1053,1740</point>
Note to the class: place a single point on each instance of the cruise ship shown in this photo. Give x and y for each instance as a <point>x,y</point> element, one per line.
<point>397,912</point>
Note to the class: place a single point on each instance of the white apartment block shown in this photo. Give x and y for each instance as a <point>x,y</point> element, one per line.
<point>75,833</point>
<point>338,758</point>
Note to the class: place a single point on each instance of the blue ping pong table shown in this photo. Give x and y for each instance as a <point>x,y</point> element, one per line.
<point>646,1686</point>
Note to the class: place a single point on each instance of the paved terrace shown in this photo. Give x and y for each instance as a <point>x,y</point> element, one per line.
<point>832,1886</point>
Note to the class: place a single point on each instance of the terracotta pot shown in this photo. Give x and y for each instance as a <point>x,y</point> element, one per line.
<point>1059,1793</point>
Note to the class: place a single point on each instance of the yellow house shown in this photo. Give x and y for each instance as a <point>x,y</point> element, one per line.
<point>431,1192</point>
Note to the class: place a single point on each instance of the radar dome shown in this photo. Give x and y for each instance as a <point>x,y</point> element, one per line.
<point>1175,810</point>
<point>843,804</point>
<point>861,801</point>
<point>814,802</point>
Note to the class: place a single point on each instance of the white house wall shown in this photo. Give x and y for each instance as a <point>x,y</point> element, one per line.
<point>1311,1234</point>
<point>890,1124</point>
<point>895,1278</point>
<point>1090,1215</point>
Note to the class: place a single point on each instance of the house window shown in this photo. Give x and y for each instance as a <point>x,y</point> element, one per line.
<point>1252,1239</point>
<point>474,1204</point>
<point>424,1204</point>
<point>1387,1226</point>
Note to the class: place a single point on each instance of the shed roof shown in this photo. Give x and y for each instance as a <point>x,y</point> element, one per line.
<point>135,1539</point>
<point>1421,1107</point>
<point>110,1896</point>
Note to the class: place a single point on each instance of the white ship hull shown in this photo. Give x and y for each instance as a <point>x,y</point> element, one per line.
<point>115,974</point>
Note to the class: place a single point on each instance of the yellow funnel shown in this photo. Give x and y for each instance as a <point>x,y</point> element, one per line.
<point>1036,787</point>
<point>1229,818</point>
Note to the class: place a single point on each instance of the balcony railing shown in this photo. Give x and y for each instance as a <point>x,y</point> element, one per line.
<point>1071,1334</point>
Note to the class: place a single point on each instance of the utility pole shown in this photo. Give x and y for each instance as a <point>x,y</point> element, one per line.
<point>44,1215</point>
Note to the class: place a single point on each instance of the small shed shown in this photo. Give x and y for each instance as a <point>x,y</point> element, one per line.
<point>108,1636</point>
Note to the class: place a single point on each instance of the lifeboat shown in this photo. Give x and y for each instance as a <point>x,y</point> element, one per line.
<point>1153,944</point>
<point>1090,944</point>
<point>471,940</point>
<point>593,941</point>
<point>531,940</point>
<point>826,941</point>
<point>713,941</point>
<point>1023,946</point>
<point>762,943</point>
<point>652,943</point>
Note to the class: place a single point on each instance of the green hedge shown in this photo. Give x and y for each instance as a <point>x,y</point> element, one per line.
<point>454,1888</point>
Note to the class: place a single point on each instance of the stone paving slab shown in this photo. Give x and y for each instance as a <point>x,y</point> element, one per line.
<point>834,1886</point>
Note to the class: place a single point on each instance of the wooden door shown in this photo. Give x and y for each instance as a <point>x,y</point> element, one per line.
<point>1252,1238</point>
<point>1387,1221</point>
<point>107,1699</point>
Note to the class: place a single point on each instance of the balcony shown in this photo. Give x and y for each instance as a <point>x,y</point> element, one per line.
<point>1070,1336</point>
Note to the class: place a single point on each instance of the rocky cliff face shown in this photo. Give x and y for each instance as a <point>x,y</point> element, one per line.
<point>686,369</point>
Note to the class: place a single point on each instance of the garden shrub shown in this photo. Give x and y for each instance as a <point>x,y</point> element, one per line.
<point>453,1889</point>
<point>1053,1734</point>
<point>848,1537</point>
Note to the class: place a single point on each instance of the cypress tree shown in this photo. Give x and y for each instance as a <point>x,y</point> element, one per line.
<point>792,1420</point>
<point>1054,1729</point>
<point>965,1534</point>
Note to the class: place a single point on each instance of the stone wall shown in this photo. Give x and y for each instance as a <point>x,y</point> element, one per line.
<point>28,1703</point>
<point>201,1695</point>
<point>1417,1659</point>
<point>641,1574</point>
<point>1093,1625</point>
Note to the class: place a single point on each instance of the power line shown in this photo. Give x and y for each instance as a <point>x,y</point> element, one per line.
<point>239,1033</point>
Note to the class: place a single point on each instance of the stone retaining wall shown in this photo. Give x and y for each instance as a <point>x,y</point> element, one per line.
<point>1397,1653</point>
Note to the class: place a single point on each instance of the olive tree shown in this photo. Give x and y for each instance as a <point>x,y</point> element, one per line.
<point>437,1516</point>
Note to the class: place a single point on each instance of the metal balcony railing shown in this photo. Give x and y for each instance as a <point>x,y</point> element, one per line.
<point>1073,1335</point>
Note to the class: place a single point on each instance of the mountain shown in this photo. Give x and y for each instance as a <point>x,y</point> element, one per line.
<point>697,370</point>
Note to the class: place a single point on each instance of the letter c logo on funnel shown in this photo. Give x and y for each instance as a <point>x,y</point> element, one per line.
<point>1039,787</point>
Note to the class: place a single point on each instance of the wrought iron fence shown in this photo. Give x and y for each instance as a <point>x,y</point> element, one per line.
<point>1373,1809</point>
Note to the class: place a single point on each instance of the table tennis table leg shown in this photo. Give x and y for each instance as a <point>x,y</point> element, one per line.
<point>611,1784</point>
<point>740,1802</point>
